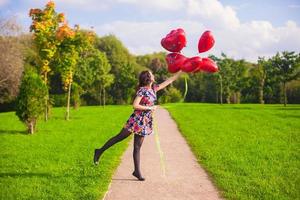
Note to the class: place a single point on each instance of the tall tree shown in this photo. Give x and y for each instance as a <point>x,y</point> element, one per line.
<point>66,60</point>
<point>93,68</point>
<point>238,79</point>
<point>123,66</point>
<point>45,24</point>
<point>288,69</point>
<point>261,73</point>
<point>225,76</point>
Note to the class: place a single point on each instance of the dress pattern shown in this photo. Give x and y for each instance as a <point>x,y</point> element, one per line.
<point>141,121</point>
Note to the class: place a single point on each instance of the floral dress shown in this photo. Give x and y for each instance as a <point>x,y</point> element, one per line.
<point>141,121</point>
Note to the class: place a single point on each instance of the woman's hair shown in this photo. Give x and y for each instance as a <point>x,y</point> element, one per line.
<point>144,78</point>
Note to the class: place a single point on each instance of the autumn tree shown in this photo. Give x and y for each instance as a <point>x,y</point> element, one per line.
<point>66,60</point>
<point>45,24</point>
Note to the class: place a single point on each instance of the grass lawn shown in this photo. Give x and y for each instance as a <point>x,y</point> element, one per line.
<point>250,151</point>
<point>56,162</point>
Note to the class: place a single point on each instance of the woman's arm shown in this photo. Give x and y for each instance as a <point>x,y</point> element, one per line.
<point>169,80</point>
<point>137,106</point>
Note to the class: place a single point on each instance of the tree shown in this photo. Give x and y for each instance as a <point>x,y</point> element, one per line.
<point>66,60</point>
<point>44,25</point>
<point>11,59</point>
<point>260,75</point>
<point>94,75</point>
<point>123,66</point>
<point>225,77</point>
<point>239,78</point>
<point>93,68</point>
<point>287,65</point>
<point>31,99</point>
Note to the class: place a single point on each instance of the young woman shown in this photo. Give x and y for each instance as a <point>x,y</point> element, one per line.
<point>140,121</point>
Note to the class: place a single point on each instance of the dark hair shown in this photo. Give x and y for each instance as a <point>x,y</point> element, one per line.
<point>144,78</point>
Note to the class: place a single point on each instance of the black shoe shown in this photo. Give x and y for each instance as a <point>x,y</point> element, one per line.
<point>97,154</point>
<point>138,176</point>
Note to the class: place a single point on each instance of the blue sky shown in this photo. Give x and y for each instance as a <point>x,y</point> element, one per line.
<point>242,29</point>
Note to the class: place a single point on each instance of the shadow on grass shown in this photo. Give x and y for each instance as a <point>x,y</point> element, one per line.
<point>288,108</point>
<point>63,118</point>
<point>287,116</point>
<point>235,108</point>
<point>13,132</point>
<point>26,174</point>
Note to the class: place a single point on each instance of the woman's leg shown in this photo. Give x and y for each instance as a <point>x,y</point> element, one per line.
<point>138,141</point>
<point>124,133</point>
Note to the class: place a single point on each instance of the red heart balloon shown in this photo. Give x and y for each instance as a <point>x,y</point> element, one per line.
<point>206,42</point>
<point>174,41</point>
<point>207,65</point>
<point>191,64</point>
<point>175,61</point>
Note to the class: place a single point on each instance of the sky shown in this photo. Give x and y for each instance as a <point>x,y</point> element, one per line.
<point>242,29</point>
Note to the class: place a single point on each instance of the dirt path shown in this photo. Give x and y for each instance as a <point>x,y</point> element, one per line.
<point>167,163</point>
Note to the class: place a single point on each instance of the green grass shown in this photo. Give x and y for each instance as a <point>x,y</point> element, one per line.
<point>250,151</point>
<point>56,162</point>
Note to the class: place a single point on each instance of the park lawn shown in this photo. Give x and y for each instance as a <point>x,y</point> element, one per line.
<point>250,151</point>
<point>57,161</point>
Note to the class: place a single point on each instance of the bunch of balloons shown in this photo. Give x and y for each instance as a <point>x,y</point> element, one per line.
<point>176,40</point>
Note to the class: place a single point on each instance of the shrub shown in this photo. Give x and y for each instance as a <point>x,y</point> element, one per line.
<point>172,95</point>
<point>31,99</point>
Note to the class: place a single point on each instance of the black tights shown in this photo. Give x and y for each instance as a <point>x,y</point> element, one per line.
<point>138,141</point>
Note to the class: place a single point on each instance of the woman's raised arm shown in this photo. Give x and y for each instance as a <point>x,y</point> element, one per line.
<point>169,80</point>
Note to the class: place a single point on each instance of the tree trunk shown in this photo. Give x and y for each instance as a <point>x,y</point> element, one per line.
<point>67,116</point>
<point>261,92</point>
<point>228,99</point>
<point>234,97</point>
<point>228,94</point>
<point>261,96</point>
<point>284,94</point>
<point>46,99</point>
<point>31,126</point>
<point>238,97</point>
<point>104,96</point>
<point>221,90</point>
<point>100,95</point>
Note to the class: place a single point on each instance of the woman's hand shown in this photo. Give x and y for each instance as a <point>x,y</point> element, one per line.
<point>152,108</point>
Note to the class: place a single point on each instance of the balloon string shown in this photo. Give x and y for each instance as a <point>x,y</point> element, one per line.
<point>186,88</point>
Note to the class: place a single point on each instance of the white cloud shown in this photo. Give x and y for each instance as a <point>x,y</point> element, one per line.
<point>239,40</point>
<point>145,37</point>
<point>214,13</point>
<point>249,40</point>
